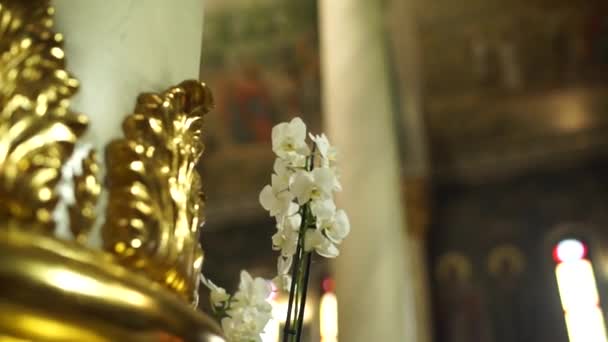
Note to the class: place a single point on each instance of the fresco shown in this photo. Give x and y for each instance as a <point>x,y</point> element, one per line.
<point>263,63</point>
<point>261,60</point>
<point>512,83</point>
<point>512,46</point>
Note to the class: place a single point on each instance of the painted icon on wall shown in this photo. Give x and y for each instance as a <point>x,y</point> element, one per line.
<point>461,311</point>
<point>263,61</point>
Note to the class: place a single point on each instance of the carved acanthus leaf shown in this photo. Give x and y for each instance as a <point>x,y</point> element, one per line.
<point>155,198</point>
<point>37,129</point>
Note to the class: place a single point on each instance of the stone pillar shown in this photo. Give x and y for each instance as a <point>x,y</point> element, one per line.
<point>120,48</point>
<point>417,203</point>
<point>373,278</point>
<point>405,48</point>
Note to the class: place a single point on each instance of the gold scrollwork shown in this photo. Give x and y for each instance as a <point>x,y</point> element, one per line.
<point>155,199</point>
<point>87,189</point>
<point>79,292</point>
<point>37,129</point>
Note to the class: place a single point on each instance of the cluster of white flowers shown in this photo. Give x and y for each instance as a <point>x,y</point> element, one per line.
<point>243,315</point>
<point>300,196</point>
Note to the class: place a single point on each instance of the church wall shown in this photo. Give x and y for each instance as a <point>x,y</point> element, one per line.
<point>491,252</point>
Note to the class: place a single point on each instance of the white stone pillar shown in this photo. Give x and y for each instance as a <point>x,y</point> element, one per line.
<point>415,166</point>
<point>120,48</point>
<point>374,286</point>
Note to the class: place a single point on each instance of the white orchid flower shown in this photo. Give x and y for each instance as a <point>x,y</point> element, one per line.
<point>249,311</point>
<point>328,153</point>
<point>218,297</point>
<point>289,140</point>
<point>317,184</point>
<point>276,201</point>
<point>323,209</point>
<point>282,167</point>
<point>280,183</point>
<point>291,223</point>
<point>314,239</point>
<point>285,241</point>
<point>303,186</point>
<point>336,228</point>
<point>282,175</point>
<point>218,294</point>
<point>252,293</point>
<point>286,237</point>
<point>282,281</point>
<point>254,321</point>
<point>284,264</point>
<point>245,325</point>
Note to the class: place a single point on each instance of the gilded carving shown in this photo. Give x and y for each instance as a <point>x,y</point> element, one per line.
<point>37,128</point>
<point>87,189</point>
<point>154,210</point>
<point>155,199</point>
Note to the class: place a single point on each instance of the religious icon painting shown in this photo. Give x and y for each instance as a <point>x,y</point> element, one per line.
<point>261,60</point>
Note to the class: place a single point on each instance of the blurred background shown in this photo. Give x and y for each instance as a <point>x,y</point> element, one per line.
<point>497,113</point>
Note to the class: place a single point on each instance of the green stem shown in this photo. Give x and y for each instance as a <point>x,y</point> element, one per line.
<point>300,274</point>
<point>306,274</point>
<point>288,332</point>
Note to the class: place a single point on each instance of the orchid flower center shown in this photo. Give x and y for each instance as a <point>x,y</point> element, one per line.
<point>315,193</point>
<point>288,145</point>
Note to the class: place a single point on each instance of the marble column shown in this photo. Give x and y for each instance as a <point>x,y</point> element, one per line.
<point>118,49</point>
<point>373,278</point>
<point>406,48</point>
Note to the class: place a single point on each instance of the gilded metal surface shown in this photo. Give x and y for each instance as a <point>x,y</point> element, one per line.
<point>155,200</point>
<point>37,129</point>
<point>60,291</point>
<point>86,192</point>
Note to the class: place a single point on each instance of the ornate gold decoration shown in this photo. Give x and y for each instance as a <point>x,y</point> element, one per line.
<point>37,129</point>
<point>155,198</point>
<point>60,290</point>
<point>87,189</point>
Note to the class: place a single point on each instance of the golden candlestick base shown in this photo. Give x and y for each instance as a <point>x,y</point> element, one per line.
<point>57,290</point>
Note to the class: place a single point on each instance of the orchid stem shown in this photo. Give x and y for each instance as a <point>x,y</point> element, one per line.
<point>303,301</point>
<point>300,274</point>
<point>287,332</point>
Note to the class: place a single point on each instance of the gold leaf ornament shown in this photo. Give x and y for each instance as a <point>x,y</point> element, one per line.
<point>62,290</point>
<point>37,129</point>
<point>87,189</point>
<point>155,198</point>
